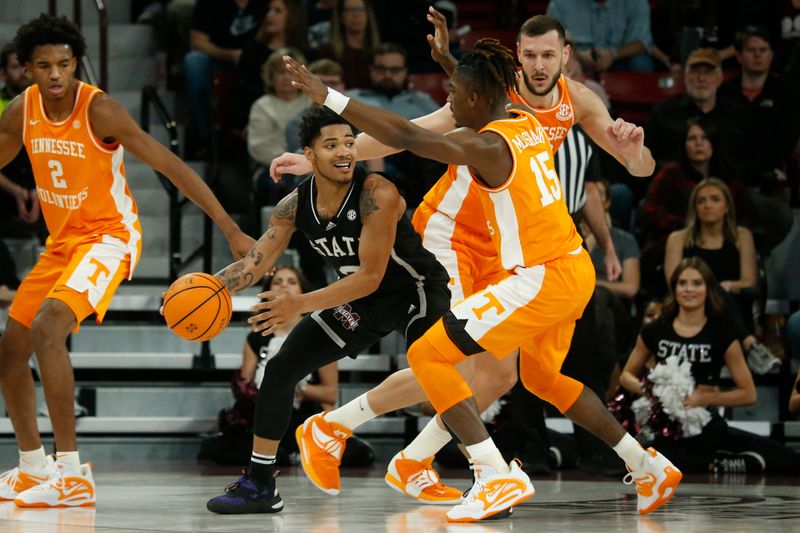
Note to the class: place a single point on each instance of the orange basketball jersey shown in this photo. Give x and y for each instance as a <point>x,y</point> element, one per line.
<point>80,180</point>
<point>556,120</point>
<point>527,216</point>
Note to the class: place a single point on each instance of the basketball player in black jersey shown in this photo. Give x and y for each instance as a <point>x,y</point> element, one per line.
<point>388,282</point>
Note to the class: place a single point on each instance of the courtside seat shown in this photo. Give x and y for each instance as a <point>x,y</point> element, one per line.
<point>633,94</point>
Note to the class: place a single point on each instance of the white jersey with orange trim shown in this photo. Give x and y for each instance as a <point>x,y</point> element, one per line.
<point>556,120</point>
<point>527,215</point>
<point>80,180</point>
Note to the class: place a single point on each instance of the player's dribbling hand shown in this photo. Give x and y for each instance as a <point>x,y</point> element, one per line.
<point>288,163</point>
<point>307,82</point>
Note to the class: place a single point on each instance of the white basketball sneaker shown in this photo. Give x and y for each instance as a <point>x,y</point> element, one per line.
<point>655,482</point>
<point>15,480</point>
<point>492,493</point>
<point>61,489</point>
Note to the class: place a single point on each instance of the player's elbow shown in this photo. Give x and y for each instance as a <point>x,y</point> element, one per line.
<point>370,281</point>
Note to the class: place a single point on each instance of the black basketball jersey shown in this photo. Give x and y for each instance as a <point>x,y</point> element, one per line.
<point>337,240</point>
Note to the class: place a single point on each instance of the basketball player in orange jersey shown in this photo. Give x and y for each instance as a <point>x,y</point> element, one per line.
<point>74,135</point>
<point>446,220</point>
<point>508,158</point>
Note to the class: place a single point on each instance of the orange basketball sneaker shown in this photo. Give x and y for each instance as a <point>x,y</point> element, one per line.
<point>655,483</point>
<point>15,480</point>
<point>321,446</point>
<point>61,490</point>
<point>492,493</point>
<point>420,481</point>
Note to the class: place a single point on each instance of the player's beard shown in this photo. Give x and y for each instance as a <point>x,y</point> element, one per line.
<point>549,87</point>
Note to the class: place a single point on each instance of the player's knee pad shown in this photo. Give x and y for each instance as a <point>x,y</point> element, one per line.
<point>557,389</point>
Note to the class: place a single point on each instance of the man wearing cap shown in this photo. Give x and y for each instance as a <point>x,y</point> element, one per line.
<point>666,126</point>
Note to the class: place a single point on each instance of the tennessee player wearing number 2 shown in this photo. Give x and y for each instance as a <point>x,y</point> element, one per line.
<point>74,135</point>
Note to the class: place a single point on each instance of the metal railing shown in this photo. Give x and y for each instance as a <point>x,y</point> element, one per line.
<point>77,15</point>
<point>177,262</point>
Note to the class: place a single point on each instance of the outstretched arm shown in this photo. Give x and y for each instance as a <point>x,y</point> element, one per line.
<point>487,153</point>
<point>367,147</point>
<point>262,256</point>
<point>623,140</point>
<point>111,121</point>
<point>11,131</point>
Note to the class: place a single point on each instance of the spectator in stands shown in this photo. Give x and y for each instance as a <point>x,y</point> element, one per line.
<point>626,247</point>
<point>317,392</point>
<point>767,107</point>
<point>609,34</point>
<point>16,179</point>
<point>284,25</point>
<point>220,28</point>
<point>354,36</point>
<point>388,89</point>
<point>268,118</point>
<point>711,233</point>
<point>681,26</point>
<point>666,124</point>
<point>789,58</point>
<point>693,328</point>
<point>574,70</point>
<point>665,204</point>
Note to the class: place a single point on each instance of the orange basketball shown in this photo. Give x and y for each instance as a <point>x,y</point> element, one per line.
<point>197,307</point>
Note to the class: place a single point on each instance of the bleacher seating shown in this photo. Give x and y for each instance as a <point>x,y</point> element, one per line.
<point>433,83</point>
<point>633,94</point>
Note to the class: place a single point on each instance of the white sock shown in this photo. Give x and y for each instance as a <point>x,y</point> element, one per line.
<point>630,451</point>
<point>33,460</point>
<point>353,414</point>
<point>430,440</point>
<point>486,453</point>
<point>69,461</point>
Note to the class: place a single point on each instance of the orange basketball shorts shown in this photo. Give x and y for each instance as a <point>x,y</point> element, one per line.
<point>533,309</point>
<point>84,276</point>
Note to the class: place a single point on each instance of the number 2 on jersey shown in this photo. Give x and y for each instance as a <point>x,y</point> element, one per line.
<point>550,191</point>
<point>56,173</point>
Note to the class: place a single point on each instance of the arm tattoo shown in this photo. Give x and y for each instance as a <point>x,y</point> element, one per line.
<point>367,204</point>
<point>286,208</point>
<point>232,275</point>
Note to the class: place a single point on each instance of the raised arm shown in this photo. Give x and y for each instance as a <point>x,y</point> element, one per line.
<point>111,121</point>
<point>262,256</point>
<point>440,41</point>
<point>623,140</point>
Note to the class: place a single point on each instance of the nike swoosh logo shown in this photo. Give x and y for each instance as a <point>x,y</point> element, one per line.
<point>33,122</point>
<point>326,442</point>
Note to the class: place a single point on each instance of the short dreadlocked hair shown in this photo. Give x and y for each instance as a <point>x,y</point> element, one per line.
<point>314,120</point>
<point>491,68</point>
<point>48,29</point>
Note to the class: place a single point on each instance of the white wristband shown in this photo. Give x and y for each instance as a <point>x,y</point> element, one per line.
<point>336,101</point>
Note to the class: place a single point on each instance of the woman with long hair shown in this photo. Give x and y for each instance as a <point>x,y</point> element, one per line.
<point>693,329</point>
<point>354,36</point>
<point>284,25</point>
<point>665,204</point>
<point>712,234</point>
